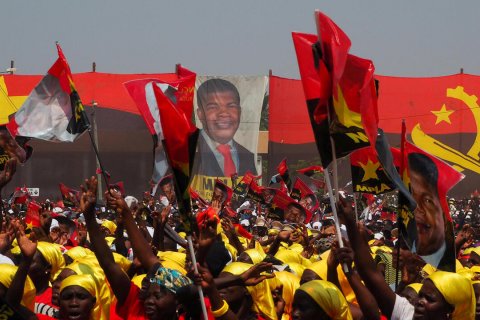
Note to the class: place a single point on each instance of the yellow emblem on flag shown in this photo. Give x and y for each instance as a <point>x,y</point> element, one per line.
<point>8,104</point>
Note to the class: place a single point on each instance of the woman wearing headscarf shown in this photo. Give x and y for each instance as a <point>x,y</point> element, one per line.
<point>443,294</point>
<point>47,262</point>
<point>77,298</point>
<point>251,302</point>
<point>157,297</point>
<point>319,299</point>
<point>446,295</point>
<point>283,287</point>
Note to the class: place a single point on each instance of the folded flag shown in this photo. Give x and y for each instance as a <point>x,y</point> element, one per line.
<point>53,111</point>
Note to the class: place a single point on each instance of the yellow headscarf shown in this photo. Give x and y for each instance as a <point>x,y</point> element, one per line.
<point>256,255</point>
<point>110,225</point>
<point>475,269</point>
<point>457,291</point>
<point>53,255</point>
<point>90,266</point>
<point>321,268</point>
<point>137,280</point>
<point>290,283</point>
<point>415,286</point>
<point>173,260</point>
<point>123,262</point>
<point>297,268</point>
<point>81,280</point>
<point>78,252</point>
<point>7,272</point>
<point>329,298</point>
<point>109,240</point>
<point>261,295</point>
<point>288,256</point>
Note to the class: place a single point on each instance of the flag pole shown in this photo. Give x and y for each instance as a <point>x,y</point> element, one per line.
<point>355,204</point>
<point>95,138</point>
<point>399,217</point>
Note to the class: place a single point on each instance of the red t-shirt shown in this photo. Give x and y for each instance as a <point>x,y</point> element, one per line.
<point>43,303</point>
<point>132,308</point>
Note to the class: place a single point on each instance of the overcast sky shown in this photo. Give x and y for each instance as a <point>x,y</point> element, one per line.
<point>403,38</point>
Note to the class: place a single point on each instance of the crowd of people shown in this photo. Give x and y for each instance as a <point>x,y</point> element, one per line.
<point>129,258</point>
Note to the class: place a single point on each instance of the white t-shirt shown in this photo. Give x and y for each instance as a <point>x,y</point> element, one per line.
<point>402,310</point>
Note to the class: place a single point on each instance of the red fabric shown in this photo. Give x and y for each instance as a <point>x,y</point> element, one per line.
<point>228,164</point>
<point>448,177</point>
<point>335,45</point>
<point>45,297</point>
<point>44,317</point>
<point>32,218</point>
<point>132,308</point>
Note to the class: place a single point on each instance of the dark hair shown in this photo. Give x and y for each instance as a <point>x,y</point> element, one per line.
<point>165,180</point>
<point>423,165</point>
<point>215,85</point>
<point>299,207</point>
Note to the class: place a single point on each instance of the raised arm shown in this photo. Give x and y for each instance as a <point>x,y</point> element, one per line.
<point>118,279</point>
<point>366,267</point>
<point>140,245</point>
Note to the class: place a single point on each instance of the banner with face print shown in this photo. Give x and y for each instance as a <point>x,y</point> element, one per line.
<point>227,111</point>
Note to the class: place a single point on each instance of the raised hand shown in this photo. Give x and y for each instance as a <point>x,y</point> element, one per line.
<point>228,226</point>
<point>6,236</point>
<point>27,246</point>
<point>204,278</point>
<point>116,202</point>
<point>254,276</point>
<point>88,198</point>
<point>8,171</point>
<point>216,205</point>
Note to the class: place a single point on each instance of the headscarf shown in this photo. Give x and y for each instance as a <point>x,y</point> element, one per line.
<point>170,279</point>
<point>123,262</point>
<point>415,286</point>
<point>173,260</point>
<point>53,255</point>
<point>78,252</point>
<point>81,280</point>
<point>255,255</point>
<point>457,291</point>
<point>297,268</point>
<point>290,284</point>
<point>87,283</point>
<point>261,295</point>
<point>329,298</point>
<point>110,225</point>
<point>90,266</point>
<point>137,280</point>
<point>321,268</point>
<point>7,273</point>
<point>288,256</point>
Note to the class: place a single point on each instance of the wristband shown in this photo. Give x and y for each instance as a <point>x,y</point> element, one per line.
<point>220,312</point>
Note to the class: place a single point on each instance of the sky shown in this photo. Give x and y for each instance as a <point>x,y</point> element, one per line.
<point>221,37</point>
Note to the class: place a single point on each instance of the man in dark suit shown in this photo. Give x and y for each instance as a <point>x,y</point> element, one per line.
<point>219,111</point>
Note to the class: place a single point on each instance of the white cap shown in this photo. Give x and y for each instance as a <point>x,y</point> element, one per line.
<point>245,222</point>
<point>131,201</point>
<point>378,236</point>
<point>57,210</point>
<point>54,224</point>
<point>317,225</point>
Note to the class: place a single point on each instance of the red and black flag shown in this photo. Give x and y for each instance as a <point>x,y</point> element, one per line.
<point>222,192</point>
<point>70,197</point>
<point>311,171</point>
<point>53,111</point>
<point>180,142</point>
<point>255,192</point>
<point>430,180</point>
<point>242,186</point>
<point>32,217</point>
<point>282,170</point>
<point>197,201</point>
<point>368,175</point>
<point>302,193</point>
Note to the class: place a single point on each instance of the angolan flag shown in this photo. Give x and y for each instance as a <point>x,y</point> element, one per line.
<point>53,110</point>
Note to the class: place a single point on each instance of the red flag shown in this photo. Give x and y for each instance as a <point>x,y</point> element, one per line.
<point>310,171</point>
<point>242,231</point>
<point>53,110</point>
<point>180,139</point>
<point>32,217</point>
<point>335,45</point>
<point>20,195</point>
<point>225,192</point>
<point>283,171</point>
<point>71,197</point>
